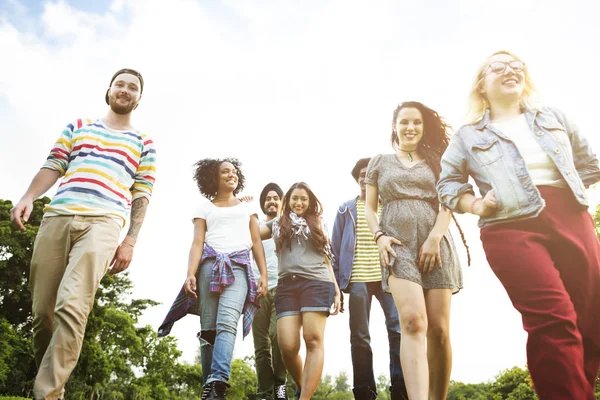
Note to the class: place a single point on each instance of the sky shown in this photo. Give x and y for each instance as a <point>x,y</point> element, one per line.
<point>298,91</point>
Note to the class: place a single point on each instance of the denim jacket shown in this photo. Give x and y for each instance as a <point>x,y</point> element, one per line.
<point>492,159</point>
<point>343,242</point>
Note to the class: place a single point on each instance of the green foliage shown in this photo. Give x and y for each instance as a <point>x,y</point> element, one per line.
<point>119,359</point>
<point>383,385</point>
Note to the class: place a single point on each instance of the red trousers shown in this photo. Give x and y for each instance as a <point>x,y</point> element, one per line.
<point>550,268</point>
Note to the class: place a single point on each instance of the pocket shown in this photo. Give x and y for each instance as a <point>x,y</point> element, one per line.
<point>487,152</point>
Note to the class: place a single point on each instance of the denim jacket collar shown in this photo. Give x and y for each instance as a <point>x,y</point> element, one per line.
<point>530,115</point>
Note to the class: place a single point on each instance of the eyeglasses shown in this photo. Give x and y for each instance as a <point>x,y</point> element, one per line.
<point>498,67</point>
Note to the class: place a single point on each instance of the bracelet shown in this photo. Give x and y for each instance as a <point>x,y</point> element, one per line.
<point>375,234</point>
<point>378,237</point>
<point>473,204</point>
<point>129,243</point>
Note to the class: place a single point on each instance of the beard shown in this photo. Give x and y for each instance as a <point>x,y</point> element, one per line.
<point>121,109</point>
<point>270,213</point>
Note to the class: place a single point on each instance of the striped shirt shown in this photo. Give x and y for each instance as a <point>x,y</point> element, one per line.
<point>365,266</point>
<point>103,170</point>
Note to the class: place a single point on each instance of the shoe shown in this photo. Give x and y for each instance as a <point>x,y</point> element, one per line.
<point>215,390</point>
<point>280,392</point>
<point>206,391</point>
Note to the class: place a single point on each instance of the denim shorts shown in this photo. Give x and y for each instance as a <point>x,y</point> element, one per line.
<point>296,295</point>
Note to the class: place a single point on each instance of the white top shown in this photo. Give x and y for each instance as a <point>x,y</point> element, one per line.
<point>227,228</point>
<point>541,168</point>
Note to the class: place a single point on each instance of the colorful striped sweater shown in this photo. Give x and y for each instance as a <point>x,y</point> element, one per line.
<point>103,170</point>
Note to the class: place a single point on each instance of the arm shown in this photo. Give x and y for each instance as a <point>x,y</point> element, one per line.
<point>195,256</point>
<point>140,194</point>
<point>55,166</point>
<point>337,302</point>
<point>265,232</point>
<point>454,176</point>
<point>259,256</point>
<point>40,184</point>
<point>586,162</point>
<point>124,253</point>
<point>384,243</point>
<point>429,253</point>
<point>336,242</point>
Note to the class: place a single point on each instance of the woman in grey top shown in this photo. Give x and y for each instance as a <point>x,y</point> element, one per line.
<point>419,261</point>
<point>307,287</point>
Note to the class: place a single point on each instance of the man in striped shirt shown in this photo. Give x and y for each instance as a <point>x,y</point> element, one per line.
<point>358,272</point>
<point>108,171</point>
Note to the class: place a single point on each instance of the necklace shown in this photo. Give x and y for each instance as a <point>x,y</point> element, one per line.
<point>410,157</point>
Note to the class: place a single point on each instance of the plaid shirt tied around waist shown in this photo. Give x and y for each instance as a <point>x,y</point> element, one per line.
<point>221,277</point>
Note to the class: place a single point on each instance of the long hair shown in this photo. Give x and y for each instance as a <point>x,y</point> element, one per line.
<point>312,217</point>
<point>206,175</point>
<point>432,146</point>
<point>478,103</point>
<point>435,137</point>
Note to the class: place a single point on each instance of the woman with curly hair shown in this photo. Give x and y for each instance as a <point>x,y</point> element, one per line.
<point>419,262</point>
<point>219,268</point>
<point>532,167</point>
<point>307,288</point>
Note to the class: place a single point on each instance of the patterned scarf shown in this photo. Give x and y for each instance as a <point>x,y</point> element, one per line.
<point>300,229</point>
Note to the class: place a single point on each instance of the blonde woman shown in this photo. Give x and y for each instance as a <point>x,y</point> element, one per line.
<point>532,167</point>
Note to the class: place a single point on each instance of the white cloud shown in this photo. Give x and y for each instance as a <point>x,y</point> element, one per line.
<point>297,91</point>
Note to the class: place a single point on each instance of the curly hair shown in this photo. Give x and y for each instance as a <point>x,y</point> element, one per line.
<point>312,217</point>
<point>206,175</point>
<point>432,146</point>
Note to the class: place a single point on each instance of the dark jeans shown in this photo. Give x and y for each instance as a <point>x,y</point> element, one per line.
<point>361,294</point>
<point>269,366</point>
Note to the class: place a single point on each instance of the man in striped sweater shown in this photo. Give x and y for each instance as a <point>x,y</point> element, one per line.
<point>357,270</point>
<point>108,171</point>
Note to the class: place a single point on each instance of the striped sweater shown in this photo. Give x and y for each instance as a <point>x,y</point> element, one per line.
<point>103,170</point>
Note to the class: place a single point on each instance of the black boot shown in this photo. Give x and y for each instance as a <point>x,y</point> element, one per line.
<point>398,391</point>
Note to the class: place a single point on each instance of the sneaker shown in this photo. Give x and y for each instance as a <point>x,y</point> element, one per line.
<point>218,391</point>
<point>206,391</point>
<point>280,392</point>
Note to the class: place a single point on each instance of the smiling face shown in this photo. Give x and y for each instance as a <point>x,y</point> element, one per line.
<point>299,201</point>
<point>272,204</point>
<point>504,86</point>
<point>228,177</point>
<point>409,128</point>
<point>124,93</point>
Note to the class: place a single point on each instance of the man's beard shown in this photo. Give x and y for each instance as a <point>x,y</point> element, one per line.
<point>119,108</point>
<point>271,214</point>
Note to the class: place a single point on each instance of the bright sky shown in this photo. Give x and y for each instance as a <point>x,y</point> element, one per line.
<point>297,90</point>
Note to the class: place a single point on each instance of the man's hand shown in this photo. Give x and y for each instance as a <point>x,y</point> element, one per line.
<point>122,258</point>
<point>21,210</point>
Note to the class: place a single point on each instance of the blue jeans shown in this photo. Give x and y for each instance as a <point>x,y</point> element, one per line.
<point>361,294</point>
<point>219,316</point>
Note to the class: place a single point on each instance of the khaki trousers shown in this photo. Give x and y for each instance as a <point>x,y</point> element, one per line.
<point>71,254</point>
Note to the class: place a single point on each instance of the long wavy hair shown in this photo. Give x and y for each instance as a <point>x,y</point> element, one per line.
<point>435,137</point>
<point>431,147</point>
<point>312,215</point>
<point>478,103</point>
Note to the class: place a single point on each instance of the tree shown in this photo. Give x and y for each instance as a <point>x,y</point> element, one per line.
<point>119,359</point>
<point>383,385</point>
